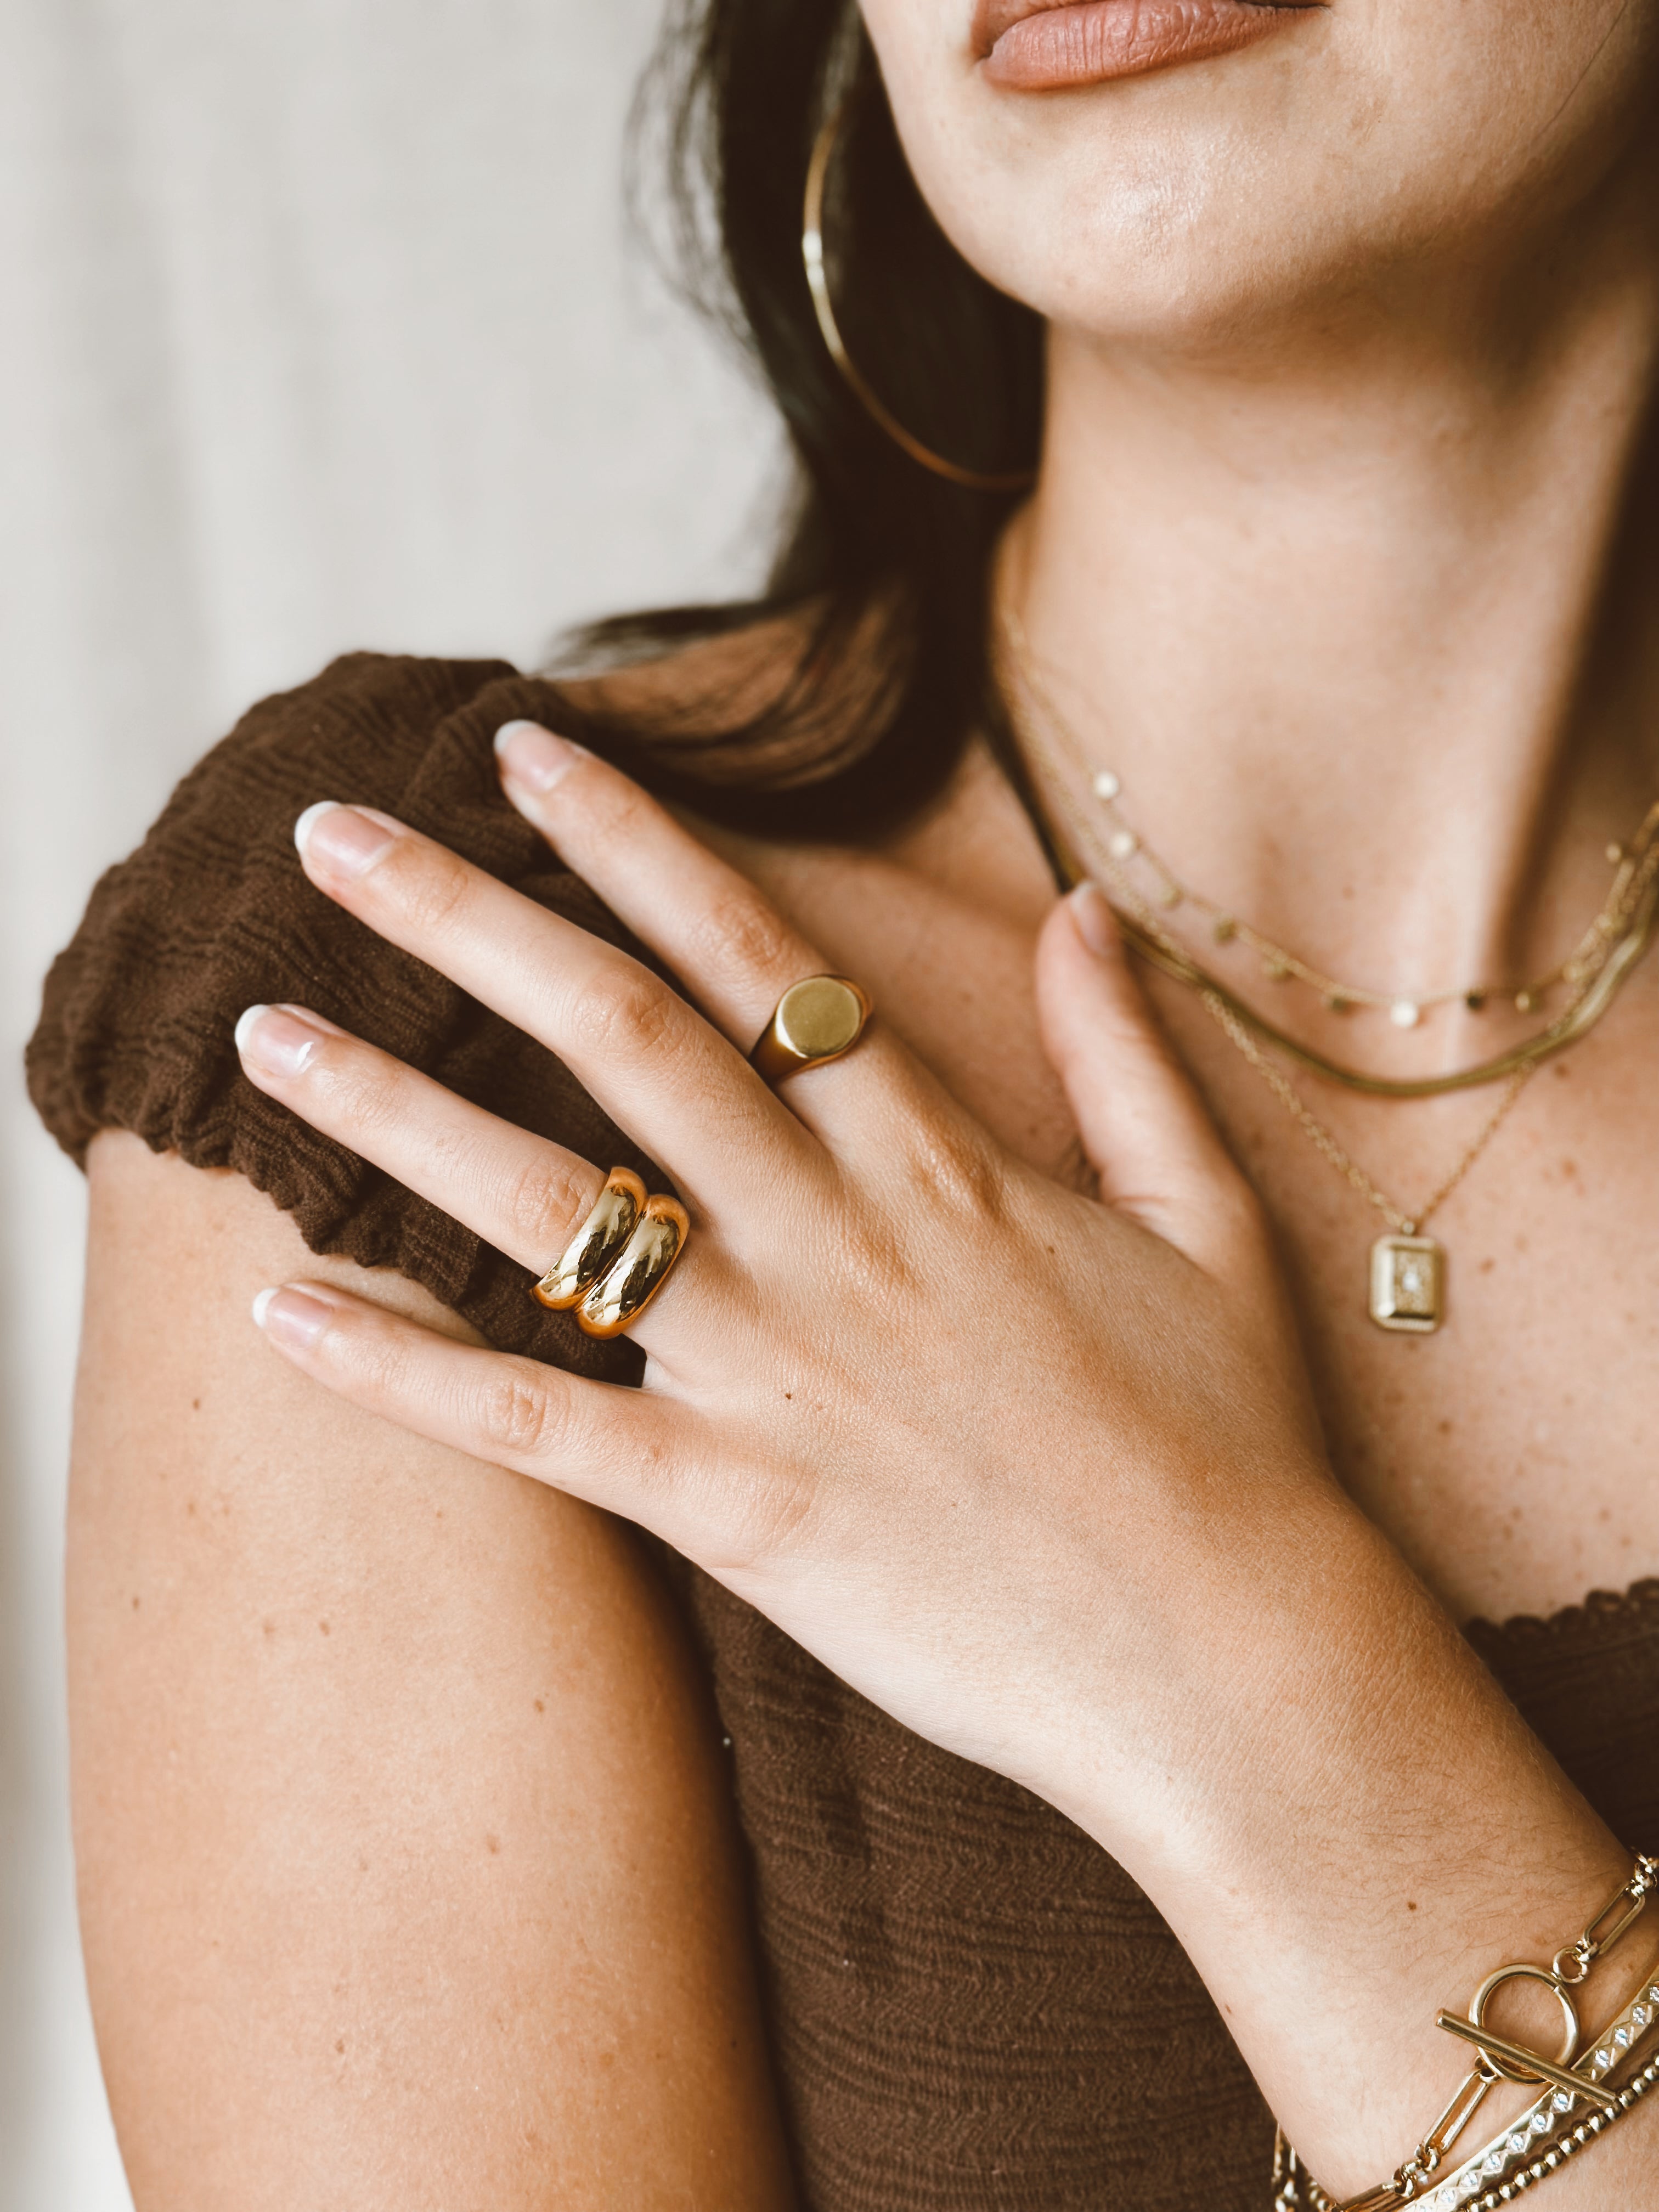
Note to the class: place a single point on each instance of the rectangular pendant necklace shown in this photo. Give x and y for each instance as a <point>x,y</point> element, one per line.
<point>1407,1275</point>
<point>1408,1284</point>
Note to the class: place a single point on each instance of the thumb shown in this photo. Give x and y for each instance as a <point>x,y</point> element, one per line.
<point>1148,1134</point>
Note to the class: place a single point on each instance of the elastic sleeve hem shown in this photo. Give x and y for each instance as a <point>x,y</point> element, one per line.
<point>213,913</point>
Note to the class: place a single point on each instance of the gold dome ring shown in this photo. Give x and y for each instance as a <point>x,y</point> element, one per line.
<point>620,1257</point>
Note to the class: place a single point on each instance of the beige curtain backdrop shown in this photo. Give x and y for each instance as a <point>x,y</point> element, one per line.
<point>319,328</point>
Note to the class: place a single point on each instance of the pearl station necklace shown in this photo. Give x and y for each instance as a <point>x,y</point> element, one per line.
<point>1405,1009</point>
<point>1407,1271</point>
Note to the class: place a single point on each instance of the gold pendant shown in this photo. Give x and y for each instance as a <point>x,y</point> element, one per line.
<point>1408,1284</point>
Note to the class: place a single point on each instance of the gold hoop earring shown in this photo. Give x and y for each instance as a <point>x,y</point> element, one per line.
<point>811,253</point>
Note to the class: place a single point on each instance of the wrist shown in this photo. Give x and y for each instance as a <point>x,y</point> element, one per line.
<point>1356,1829</point>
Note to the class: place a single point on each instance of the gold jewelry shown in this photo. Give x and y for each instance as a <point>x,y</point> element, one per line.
<point>596,1243</point>
<point>1405,1009</point>
<point>1408,1270</point>
<point>1405,1272</point>
<point>639,1270</point>
<point>1565,2145</point>
<point>1576,1020</point>
<point>1609,949</point>
<point>815,1021</point>
<point>811,251</point>
<point>1544,2133</point>
<point>1565,2079</point>
<point>1494,2176</point>
<point>619,1259</point>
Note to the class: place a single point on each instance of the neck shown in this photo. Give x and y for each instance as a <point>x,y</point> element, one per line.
<point>1364,623</point>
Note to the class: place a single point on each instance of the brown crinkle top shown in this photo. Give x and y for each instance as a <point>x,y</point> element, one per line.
<point>972,2007</point>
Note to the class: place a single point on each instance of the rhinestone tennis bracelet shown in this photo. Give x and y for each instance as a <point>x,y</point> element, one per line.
<point>1486,2181</point>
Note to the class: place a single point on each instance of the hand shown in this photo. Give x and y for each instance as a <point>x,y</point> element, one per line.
<point>993,1451</point>
<point>1039,1474</point>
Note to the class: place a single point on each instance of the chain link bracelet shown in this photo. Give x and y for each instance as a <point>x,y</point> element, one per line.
<point>1480,2181</point>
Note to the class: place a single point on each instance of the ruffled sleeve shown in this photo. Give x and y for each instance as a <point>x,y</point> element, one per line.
<point>213,913</point>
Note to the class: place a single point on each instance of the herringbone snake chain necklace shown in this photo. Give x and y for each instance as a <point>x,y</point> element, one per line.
<point>1408,1269</point>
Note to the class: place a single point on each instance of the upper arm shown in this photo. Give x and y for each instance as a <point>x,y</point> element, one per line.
<point>406,1873</point>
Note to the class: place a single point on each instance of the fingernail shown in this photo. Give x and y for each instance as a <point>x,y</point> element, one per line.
<point>533,756</point>
<point>1094,921</point>
<point>280,1040</point>
<point>348,840</point>
<point>292,1317</point>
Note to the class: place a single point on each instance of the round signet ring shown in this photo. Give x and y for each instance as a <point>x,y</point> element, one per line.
<point>814,1021</point>
<point>1569,2017</point>
<point>596,1243</point>
<point>639,1271</point>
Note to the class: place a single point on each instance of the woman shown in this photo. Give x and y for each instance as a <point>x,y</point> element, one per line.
<point>1070,1511</point>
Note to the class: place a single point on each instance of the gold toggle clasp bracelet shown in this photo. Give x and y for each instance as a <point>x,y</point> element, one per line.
<point>1542,2139</point>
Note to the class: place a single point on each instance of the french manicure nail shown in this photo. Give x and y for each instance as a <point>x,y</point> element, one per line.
<point>1093,919</point>
<point>292,1317</point>
<point>347,840</point>
<point>278,1040</point>
<point>533,756</point>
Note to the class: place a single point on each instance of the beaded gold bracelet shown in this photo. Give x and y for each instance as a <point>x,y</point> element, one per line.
<point>1500,2170</point>
<point>1565,2083</point>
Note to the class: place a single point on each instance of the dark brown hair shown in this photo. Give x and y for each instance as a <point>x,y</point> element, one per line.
<point>877,600</point>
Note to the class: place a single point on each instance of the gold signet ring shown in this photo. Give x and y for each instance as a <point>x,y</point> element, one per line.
<point>814,1021</point>
<point>639,1271</point>
<point>596,1243</point>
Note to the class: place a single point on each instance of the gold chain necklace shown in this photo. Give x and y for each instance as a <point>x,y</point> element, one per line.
<point>1408,1269</point>
<point>1406,1272</point>
<point>1621,933</point>
<point>1127,846</point>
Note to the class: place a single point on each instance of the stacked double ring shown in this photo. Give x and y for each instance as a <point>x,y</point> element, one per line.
<point>620,1257</point>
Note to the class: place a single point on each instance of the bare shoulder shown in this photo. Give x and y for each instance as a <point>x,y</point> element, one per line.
<point>407,1877</point>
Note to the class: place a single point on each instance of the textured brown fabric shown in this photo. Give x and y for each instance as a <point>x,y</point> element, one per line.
<point>212,914</point>
<point>972,2007</point>
<point>1587,1680</point>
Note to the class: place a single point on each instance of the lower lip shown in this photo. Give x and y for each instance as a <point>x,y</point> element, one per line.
<point>1095,40</point>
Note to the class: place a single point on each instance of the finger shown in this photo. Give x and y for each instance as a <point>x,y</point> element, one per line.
<point>1147,1131</point>
<point>649,1059</point>
<point>524,1194</point>
<point>700,915</point>
<point>614,1447</point>
<point>693,909</point>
